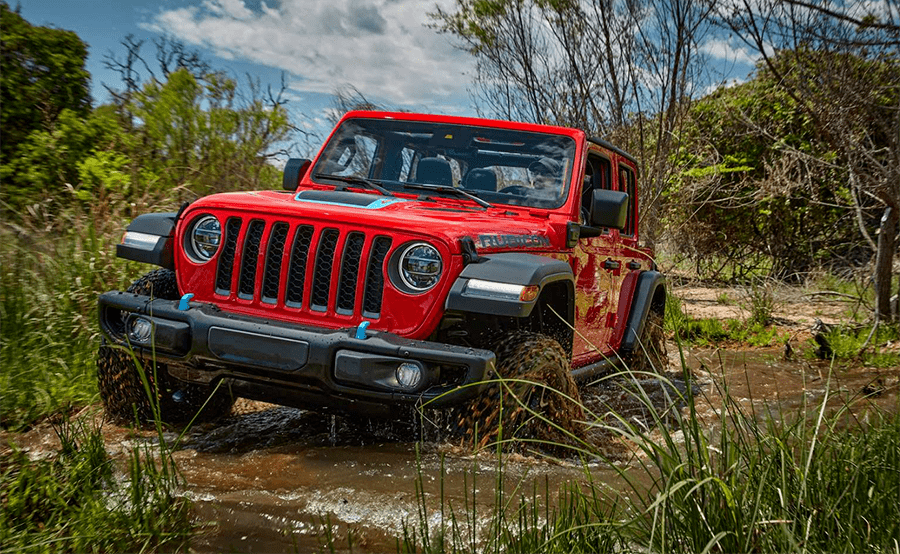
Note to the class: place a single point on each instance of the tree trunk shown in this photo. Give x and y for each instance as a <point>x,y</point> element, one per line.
<point>884,263</point>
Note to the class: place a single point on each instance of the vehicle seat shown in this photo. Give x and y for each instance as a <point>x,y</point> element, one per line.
<point>481,179</point>
<point>434,171</point>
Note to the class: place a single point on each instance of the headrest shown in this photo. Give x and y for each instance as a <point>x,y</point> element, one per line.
<point>434,171</point>
<point>481,179</point>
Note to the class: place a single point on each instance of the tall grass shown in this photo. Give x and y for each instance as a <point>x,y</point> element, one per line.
<point>51,270</point>
<point>814,480</point>
<point>50,276</point>
<point>73,502</point>
<point>807,481</point>
<point>522,521</point>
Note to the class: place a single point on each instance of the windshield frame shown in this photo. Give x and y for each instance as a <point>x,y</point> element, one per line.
<point>388,150</point>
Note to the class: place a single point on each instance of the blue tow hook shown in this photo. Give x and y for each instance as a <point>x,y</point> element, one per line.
<point>361,330</point>
<point>183,303</point>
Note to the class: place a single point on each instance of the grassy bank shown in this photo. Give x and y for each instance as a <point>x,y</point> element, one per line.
<point>51,271</point>
<point>73,502</point>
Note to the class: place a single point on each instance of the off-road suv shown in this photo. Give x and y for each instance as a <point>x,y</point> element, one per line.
<point>416,257</point>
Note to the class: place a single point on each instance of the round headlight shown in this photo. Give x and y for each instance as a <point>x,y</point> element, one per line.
<point>420,266</point>
<point>205,237</point>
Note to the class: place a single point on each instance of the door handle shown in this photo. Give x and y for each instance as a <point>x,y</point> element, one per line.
<point>611,265</point>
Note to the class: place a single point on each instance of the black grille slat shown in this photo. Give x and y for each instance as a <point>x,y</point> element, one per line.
<point>346,299</point>
<point>297,271</point>
<point>321,283</point>
<point>272,269</point>
<point>250,258</point>
<point>303,266</point>
<point>226,259</point>
<point>375,277</point>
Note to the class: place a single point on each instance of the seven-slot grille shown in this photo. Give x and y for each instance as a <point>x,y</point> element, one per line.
<point>298,265</point>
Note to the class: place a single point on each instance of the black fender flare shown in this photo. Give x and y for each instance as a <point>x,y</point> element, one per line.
<point>158,252</point>
<point>514,268</point>
<point>649,286</point>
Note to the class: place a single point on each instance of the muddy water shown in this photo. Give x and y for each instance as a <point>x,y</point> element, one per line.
<point>270,479</point>
<point>763,381</point>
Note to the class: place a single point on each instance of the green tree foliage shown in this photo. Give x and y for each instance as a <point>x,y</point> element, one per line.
<point>43,80</point>
<point>195,133</point>
<point>47,162</point>
<point>187,132</point>
<point>760,185</point>
<point>841,64</point>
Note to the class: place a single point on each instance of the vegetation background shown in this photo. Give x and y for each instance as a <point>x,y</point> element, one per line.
<point>792,174</point>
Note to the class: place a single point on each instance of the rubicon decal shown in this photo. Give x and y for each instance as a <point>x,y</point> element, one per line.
<point>512,241</point>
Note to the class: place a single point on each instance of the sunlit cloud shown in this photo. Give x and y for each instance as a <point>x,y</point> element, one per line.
<point>383,48</point>
<point>724,51</point>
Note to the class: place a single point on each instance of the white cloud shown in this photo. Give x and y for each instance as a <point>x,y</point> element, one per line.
<point>723,50</point>
<point>228,8</point>
<point>381,47</point>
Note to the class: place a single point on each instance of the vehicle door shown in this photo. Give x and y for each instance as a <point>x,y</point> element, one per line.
<point>596,280</point>
<point>630,261</point>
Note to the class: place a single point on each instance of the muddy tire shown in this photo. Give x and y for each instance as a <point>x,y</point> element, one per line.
<point>539,368</point>
<point>118,378</point>
<point>649,353</point>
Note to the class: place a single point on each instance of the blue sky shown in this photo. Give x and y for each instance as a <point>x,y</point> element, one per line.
<point>383,48</point>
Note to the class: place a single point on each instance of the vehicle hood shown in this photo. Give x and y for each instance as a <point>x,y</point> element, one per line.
<point>498,228</point>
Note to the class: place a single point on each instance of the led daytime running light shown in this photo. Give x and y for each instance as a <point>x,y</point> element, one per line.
<point>501,291</point>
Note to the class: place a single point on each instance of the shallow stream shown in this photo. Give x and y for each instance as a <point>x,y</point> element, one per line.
<point>270,479</point>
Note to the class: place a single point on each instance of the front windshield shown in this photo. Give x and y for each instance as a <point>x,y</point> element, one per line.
<point>501,166</point>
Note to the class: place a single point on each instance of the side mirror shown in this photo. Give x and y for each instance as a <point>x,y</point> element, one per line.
<point>609,208</point>
<point>294,170</point>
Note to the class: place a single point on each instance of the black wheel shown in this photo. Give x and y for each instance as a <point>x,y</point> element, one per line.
<point>541,384</point>
<point>649,353</point>
<point>119,380</point>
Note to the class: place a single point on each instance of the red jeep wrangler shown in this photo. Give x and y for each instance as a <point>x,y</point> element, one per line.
<point>415,258</point>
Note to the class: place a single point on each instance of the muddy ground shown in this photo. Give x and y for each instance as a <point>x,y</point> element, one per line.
<point>269,478</point>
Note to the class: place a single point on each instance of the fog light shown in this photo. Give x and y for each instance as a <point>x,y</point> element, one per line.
<point>409,375</point>
<point>140,330</point>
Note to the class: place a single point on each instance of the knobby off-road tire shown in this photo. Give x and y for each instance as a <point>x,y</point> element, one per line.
<point>122,391</point>
<point>542,385</point>
<point>649,353</point>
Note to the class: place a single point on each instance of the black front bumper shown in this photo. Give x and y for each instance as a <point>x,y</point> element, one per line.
<point>290,364</point>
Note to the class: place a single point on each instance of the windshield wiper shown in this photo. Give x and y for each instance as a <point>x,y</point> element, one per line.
<point>353,180</point>
<point>452,190</point>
